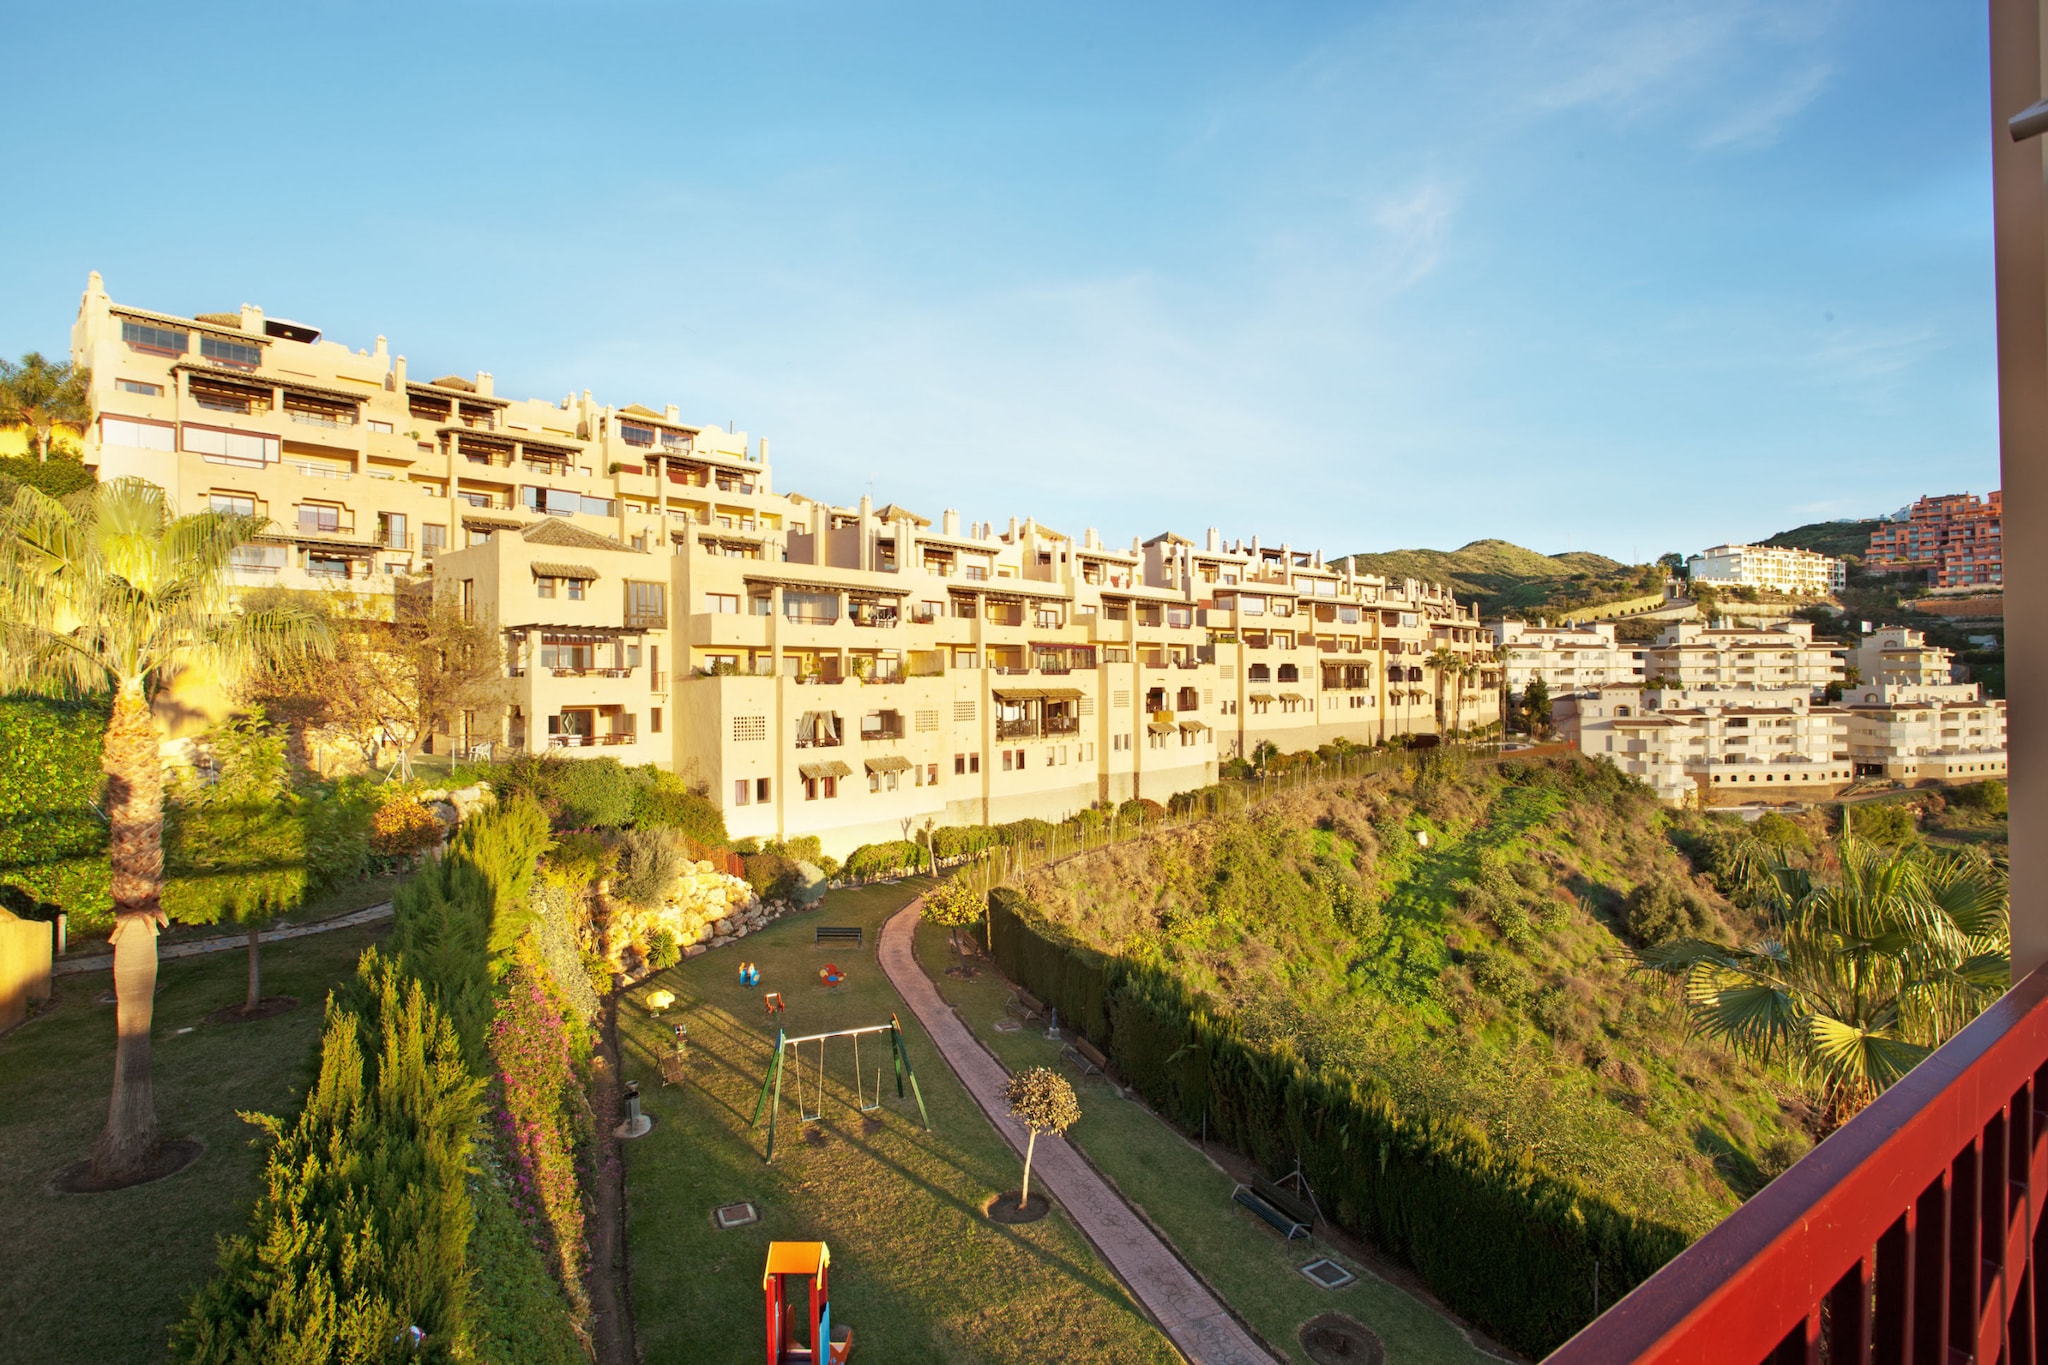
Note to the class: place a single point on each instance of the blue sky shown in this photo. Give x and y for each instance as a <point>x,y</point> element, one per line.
<point>1622,277</point>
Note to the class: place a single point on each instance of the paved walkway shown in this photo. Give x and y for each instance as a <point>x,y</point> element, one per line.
<point>1198,1324</point>
<point>101,962</point>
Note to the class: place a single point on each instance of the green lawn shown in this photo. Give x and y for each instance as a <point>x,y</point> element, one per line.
<point>1188,1197</point>
<point>101,1277</point>
<point>917,1271</point>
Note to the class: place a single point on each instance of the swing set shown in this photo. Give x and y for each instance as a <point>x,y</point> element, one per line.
<point>810,1093</point>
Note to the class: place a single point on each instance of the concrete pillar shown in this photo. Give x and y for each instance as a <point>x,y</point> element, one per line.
<point>2020,219</point>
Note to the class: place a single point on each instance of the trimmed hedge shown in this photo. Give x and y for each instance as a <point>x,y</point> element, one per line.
<point>366,1229</point>
<point>1504,1243</point>
<point>53,843</point>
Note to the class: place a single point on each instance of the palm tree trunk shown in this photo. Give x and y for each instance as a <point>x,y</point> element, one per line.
<point>1030,1145</point>
<point>135,809</point>
<point>255,972</point>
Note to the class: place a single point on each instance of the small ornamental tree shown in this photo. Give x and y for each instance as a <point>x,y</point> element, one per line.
<point>1043,1102</point>
<point>955,905</point>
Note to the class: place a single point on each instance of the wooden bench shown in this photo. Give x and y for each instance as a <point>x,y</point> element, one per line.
<point>1085,1056</point>
<point>1287,1215</point>
<point>1025,1005</point>
<point>674,1070</point>
<point>838,933</point>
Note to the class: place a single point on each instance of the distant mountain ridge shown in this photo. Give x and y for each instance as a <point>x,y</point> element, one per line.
<point>1503,578</point>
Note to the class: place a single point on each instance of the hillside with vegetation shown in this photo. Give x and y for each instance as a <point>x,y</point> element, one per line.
<point>1505,579</point>
<point>1838,538</point>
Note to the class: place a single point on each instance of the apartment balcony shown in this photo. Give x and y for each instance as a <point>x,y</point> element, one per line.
<point>591,672</point>
<point>822,742</point>
<point>1062,725</point>
<point>1017,729</point>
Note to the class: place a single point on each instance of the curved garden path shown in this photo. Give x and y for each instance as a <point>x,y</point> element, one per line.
<point>101,962</point>
<point>1193,1317</point>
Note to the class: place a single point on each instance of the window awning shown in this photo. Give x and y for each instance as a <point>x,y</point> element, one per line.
<point>1021,694</point>
<point>815,771</point>
<point>893,763</point>
<point>1195,726</point>
<point>1263,698</point>
<point>1161,727</point>
<point>491,524</point>
<point>1292,696</point>
<point>544,570</point>
<point>1061,694</point>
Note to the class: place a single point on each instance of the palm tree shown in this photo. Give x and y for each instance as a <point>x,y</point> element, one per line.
<point>1871,967</point>
<point>42,394</point>
<point>108,591</point>
<point>1441,660</point>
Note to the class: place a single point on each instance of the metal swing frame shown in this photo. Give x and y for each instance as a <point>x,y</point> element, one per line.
<point>787,1048</point>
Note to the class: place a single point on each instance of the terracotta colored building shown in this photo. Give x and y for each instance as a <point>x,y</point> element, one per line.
<point>1954,538</point>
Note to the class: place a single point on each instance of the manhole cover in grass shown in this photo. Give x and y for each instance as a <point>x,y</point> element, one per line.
<point>1328,1273</point>
<point>1007,1026</point>
<point>1334,1339</point>
<point>729,1216</point>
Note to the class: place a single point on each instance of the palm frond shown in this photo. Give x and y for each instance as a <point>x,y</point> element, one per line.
<point>1851,1053</point>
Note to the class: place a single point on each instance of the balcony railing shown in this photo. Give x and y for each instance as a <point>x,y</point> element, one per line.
<point>1907,1236</point>
<point>1062,725</point>
<point>1017,729</point>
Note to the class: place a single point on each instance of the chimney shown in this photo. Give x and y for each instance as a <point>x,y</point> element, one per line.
<point>867,506</point>
<point>1215,540</point>
<point>949,522</point>
<point>398,370</point>
<point>764,452</point>
<point>383,351</point>
<point>252,319</point>
<point>671,411</point>
<point>1013,528</point>
<point>483,384</point>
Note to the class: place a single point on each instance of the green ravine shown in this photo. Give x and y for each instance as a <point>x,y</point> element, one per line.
<point>1504,578</point>
<point>1481,975</point>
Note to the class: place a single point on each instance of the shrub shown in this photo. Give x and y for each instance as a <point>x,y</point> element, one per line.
<point>363,1229</point>
<point>1500,975</point>
<point>1890,823</point>
<point>650,861</point>
<point>402,827</point>
<point>963,841</point>
<point>885,859</point>
<point>1987,796</point>
<point>663,951</point>
<point>1657,912</point>
<point>579,860</point>
<point>538,1108</point>
<point>664,801</point>
<point>772,875</point>
<point>593,793</point>
<point>53,843</point>
<point>1773,830</point>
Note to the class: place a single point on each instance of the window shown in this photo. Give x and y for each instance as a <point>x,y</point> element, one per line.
<point>231,447</point>
<point>391,530</point>
<point>742,792</point>
<point>144,337</point>
<point>433,537</point>
<point>654,719</point>
<point>221,351</point>
<point>722,603</point>
<point>327,566</point>
<point>138,386</point>
<point>635,435</point>
<point>115,431</point>
<point>469,599</point>
<point>317,520</point>
<point>544,586</point>
<point>576,586</point>
<point>376,425</point>
<point>646,603</point>
<point>232,504</point>
<point>931,774</point>
<point>761,789</point>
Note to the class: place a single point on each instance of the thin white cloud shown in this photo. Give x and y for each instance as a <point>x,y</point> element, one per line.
<point>1758,122</point>
<point>1414,225</point>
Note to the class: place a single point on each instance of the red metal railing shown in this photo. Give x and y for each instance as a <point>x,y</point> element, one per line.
<point>1907,1238</point>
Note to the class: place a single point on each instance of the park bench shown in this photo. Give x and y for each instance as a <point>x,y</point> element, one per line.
<point>838,933</point>
<point>1085,1056</point>
<point>1286,1213</point>
<point>1025,1005</point>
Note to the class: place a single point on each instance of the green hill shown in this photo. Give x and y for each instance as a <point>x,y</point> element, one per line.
<point>1829,537</point>
<point>1506,579</point>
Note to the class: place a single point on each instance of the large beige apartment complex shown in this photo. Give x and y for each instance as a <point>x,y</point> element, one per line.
<point>1909,720</point>
<point>850,672</point>
<point>1691,655</point>
<point>1714,745</point>
<point>1797,573</point>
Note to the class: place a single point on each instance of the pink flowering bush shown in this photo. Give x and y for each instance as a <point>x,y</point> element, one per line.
<point>542,1119</point>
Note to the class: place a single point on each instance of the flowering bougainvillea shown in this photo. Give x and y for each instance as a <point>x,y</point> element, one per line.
<point>540,1116</point>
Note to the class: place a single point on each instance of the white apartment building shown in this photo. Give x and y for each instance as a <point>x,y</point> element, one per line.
<point>1690,655</point>
<point>1796,573</point>
<point>1909,721</point>
<point>1567,658</point>
<point>1714,746</point>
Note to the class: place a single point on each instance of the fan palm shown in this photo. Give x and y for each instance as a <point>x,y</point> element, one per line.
<point>107,591</point>
<point>1871,968</point>
<point>43,394</point>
